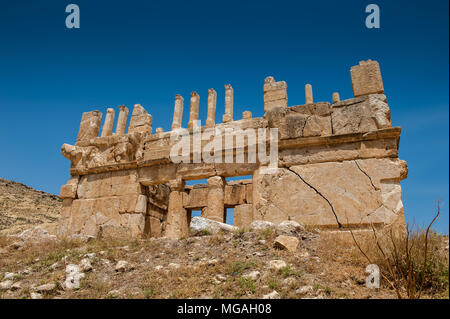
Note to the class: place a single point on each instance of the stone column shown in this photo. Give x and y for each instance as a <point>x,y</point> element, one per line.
<point>109,123</point>
<point>178,112</point>
<point>89,126</point>
<point>366,78</point>
<point>308,94</point>
<point>177,219</point>
<point>228,116</point>
<point>212,100</point>
<point>336,97</point>
<point>216,196</point>
<point>275,94</point>
<point>122,121</point>
<point>193,115</point>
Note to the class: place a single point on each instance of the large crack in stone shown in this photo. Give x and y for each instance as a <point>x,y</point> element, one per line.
<point>318,193</point>
<point>370,179</point>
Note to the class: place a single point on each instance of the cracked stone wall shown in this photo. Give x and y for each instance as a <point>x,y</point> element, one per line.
<point>113,204</point>
<point>333,194</point>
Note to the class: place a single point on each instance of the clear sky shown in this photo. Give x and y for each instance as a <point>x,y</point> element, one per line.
<point>129,52</point>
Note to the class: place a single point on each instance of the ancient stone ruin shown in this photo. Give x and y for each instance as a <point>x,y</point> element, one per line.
<point>338,166</point>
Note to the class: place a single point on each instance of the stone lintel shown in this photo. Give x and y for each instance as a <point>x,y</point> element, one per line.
<point>162,159</point>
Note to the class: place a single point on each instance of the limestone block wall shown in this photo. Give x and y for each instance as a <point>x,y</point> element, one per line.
<point>351,193</point>
<point>338,166</point>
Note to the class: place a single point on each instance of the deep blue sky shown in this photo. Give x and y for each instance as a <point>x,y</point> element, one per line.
<point>145,52</point>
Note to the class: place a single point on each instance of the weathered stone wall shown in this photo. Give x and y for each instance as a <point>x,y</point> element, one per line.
<point>338,166</point>
<point>332,194</point>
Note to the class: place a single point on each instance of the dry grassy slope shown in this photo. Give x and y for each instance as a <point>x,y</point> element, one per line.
<point>23,207</point>
<point>196,267</point>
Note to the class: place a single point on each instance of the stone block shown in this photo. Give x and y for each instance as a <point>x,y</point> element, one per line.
<point>197,198</point>
<point>234,195</point>
<point>275,94</point>
<point>140,121</point>
<point>249,193</point>
<point>89,126</point>
<point>289,243</point>
<point>319,109</point>
<point>113,183</point>
<point>70,189</point>
<point>364,115</point>
<point>243,216</point>
<point>155,226</point>
<point>177,219</point>
<point>366,78</point>
<point>141,204</point>
<point>317,126</point>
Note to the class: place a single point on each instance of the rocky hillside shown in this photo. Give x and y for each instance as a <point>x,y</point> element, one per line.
<point>224,265</point>
<point>22,207</point>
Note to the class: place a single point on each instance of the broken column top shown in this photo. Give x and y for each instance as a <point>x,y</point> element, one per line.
<point>275,93</point>
<point>177,112</point>
<point>270,84</point>
<point>366,79</point>
<point>89,126</point>
<point>229,101</point>
<point>193,114</point>
<point>140,121</point>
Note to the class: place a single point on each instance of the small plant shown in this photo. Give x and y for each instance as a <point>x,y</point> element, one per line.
<point>405,261</point>
<point>205,232</point>
<point>216,239</point>
<point>149,293</point>
<point>286,271</point>
<point>273,283</point>
<point>297,273</point>
<point>266,233</point>
<point>239,233</point>
<point>238,267</point>
<point>247,285</point>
